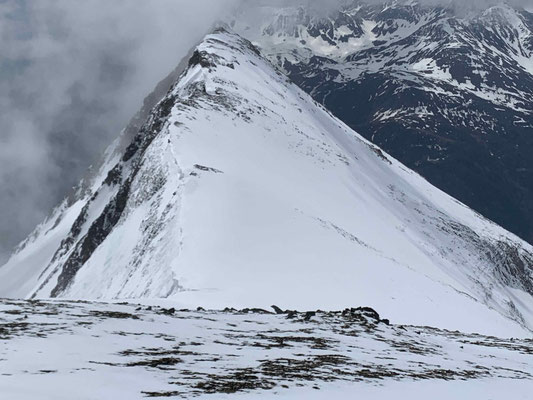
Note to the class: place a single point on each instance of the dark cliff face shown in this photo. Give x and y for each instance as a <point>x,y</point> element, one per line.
<point>450,97</point>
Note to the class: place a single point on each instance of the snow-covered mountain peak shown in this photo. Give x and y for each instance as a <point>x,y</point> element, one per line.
<point>237,189</point>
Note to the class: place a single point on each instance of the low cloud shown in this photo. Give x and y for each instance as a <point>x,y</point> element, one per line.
<point>324,6</point>
<point>71,76</point>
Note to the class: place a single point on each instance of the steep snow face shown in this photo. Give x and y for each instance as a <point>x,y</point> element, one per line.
<point>240,190</point>
<point>449,95</point>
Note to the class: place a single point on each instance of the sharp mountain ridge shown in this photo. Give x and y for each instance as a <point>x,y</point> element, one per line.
<point>232,188</point>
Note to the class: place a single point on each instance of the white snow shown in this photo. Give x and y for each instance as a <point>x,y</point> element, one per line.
<point>87,351</point>
<point>482,389</point>
<point>22,272</point>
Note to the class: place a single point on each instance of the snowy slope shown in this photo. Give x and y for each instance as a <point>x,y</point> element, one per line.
<point>90,351</point>
<point>447,93</point>
<point>239,190</point>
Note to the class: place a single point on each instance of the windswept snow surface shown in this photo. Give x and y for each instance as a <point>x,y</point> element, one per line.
<point>239,190</point>
<point>88,351</point>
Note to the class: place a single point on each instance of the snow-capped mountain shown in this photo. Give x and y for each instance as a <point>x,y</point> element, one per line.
<point>447,91</point>
<point>237,189</point>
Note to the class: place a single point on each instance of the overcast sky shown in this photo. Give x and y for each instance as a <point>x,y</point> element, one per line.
<point>72,73</point>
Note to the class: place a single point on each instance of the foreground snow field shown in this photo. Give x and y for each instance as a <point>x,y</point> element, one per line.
<point>52,350</point>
